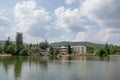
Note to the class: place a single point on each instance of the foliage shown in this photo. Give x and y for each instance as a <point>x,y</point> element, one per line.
<point>10,50</point>
<point>102,52</point>
<point>87,44</point>
<point>51,50</point>
<point>7,43</point>
<point>30,45</point>
<point>19,43</point>
<point>56,51</point>
<point>69,49</point>
<point>107,49</point>
<point>34,50</point>
<point>44,45</point>
<point>24,52</point>
<point>1,48</point>
<point>19,39</point>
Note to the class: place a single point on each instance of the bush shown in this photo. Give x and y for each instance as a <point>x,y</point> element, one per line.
<point>101,52</point>
<point>1,48</point>
<point>10,50</point>
<point>24,52</point>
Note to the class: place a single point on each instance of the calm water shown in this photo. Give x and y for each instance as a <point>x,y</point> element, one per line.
<point>46,68</point>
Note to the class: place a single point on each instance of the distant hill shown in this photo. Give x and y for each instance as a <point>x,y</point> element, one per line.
<point>88,44</point>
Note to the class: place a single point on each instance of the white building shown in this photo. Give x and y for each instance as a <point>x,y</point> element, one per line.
<point>79,50</point>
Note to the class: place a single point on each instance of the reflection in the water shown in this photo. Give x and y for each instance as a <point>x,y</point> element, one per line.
<point>64,68</point>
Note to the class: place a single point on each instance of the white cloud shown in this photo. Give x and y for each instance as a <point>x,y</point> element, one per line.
<point>30,19</point>
<point>4,22</point>
<point>105,13</point>
<point>59,39</point>
<point>92,35</point>
<point>69,20</point>
<point>69,1</point>
<point>2,11</point>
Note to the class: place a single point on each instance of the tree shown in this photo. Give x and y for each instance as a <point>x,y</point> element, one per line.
<point>34,50</point>
<point>1,48</point>
<point>19,39</point>
<point>69,49</point>
<point>19,42</point>
<point>10,50</point>
<point>30,45</point>
<point>107,49</point>
<point>44,45</point>
<point>101,52</point>
<point>7,43</point>
<point>24,52</point>
<point>56,51</point>
<point>51,50</point>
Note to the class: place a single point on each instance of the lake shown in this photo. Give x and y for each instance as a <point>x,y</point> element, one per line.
<point>66,68</point>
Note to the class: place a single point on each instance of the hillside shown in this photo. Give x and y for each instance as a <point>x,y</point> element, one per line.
<point>88,44</point>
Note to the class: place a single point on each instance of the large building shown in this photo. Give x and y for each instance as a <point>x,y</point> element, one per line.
<point>77,50</point>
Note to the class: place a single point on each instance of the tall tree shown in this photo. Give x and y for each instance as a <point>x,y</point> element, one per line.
<point>19,39</point>
<point>107,49</point>
<point>44,45</point>
<point>51,50</point>
<point>19,43</point>
<point>69,49</point>
<point>7,43</point>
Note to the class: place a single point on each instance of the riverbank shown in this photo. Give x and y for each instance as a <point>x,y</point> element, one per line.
<point>5,54</point>
<point>114,55</point>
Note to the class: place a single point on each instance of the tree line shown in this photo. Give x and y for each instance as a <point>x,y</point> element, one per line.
<point>104,51</point>
<point>19,48</point>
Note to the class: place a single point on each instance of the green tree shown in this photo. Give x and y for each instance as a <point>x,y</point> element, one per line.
<point>44,45</point>
<point>10,50</point>
<point>56,52</point>
<point>51,50</point>
<point>19,39</point>
<point>34,50</point>
<point>101,52</point>
<point>1,48</point>
<point>24,52</point>
<point>69,49</point>
<point>7,43</point>
<point>107,49</point>
<point>30,45</point>
<point>19,43</point>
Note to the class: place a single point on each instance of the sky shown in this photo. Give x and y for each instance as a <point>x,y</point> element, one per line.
<point>61,20</point>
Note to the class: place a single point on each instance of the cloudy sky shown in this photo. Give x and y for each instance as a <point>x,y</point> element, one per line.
<point>61,20</point>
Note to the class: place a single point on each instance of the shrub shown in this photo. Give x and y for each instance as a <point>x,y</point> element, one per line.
<point>24,52</point>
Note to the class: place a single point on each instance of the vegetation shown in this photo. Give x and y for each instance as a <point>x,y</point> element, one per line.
<point>51,50</point>
<point>44,45</point>
<point>7,43</point>
<point>88,44</point>
<point>19,48</point>
<point>1,49</point>
<point>69,49</point>
<point>11,50</point>
<point>24,52</point>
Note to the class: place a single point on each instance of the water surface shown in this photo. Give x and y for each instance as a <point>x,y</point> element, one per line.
<point>67,68</point>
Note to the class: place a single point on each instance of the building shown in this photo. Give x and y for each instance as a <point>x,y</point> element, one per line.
<point>62,49</point>
<point>79,50</point>
<point>76,50</point>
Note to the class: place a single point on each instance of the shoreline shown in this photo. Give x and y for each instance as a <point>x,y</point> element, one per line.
<point>5,54</point>
<point>114,55</point>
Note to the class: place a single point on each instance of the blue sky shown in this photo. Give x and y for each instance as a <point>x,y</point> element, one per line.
<point>61,20</point>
